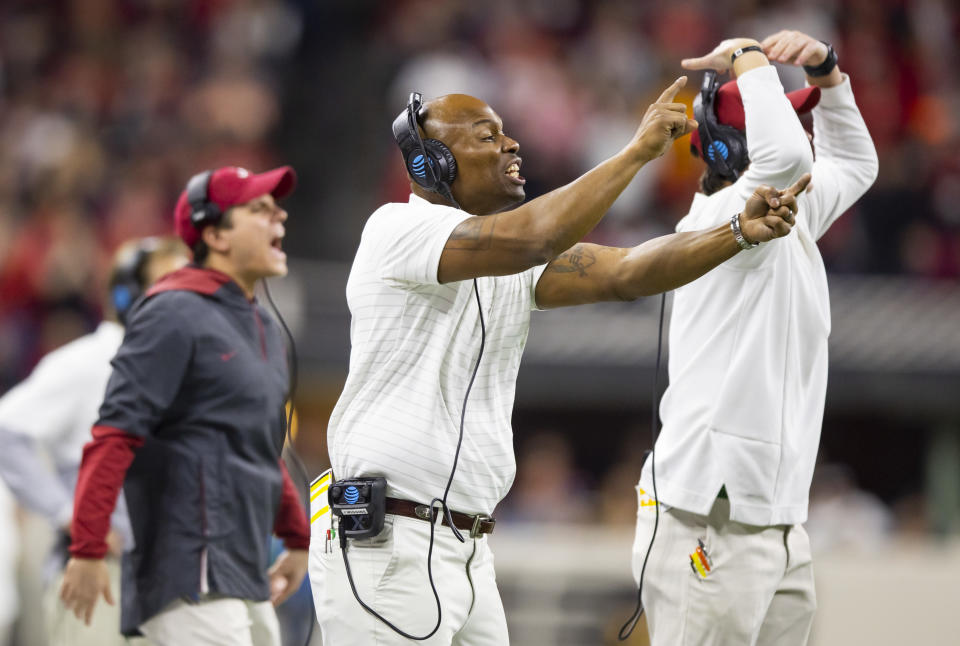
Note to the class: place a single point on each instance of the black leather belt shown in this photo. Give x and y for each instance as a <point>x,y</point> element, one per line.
<point>476,525</point>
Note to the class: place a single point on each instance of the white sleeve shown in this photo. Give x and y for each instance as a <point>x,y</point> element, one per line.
<point>779,149</point>
<point>534,274</point>
<point>31,481</point>
<point>846,160</point>
<point>410,242</point>
<point>44,405</point>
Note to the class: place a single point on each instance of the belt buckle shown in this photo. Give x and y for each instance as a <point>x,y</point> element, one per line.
<point>475,529</point>
<point>422,512</point>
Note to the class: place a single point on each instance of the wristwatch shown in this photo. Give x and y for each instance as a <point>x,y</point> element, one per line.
<point>737,53</point>
<point>738,234</point>
<point>826,66</point>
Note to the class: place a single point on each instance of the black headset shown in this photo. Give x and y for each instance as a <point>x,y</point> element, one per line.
<point>202,210</point>
<point>429,162</point>
<point>724,147</point>
<point>127,280</point>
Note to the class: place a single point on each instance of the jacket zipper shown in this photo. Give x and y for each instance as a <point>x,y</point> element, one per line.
<point>204,580</point>
<point>263,336</point>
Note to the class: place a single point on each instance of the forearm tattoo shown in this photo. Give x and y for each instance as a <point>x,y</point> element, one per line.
<point>577,258</point>
<point>473,234</point>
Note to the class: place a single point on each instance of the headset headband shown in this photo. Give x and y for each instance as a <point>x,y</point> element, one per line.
<point>407,134</point>
<point>202,211</point>
<point>414,105</point>
<point>429,162</point>
<point>707,118</point>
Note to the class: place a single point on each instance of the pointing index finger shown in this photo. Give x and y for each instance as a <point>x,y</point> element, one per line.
<point>801,184</point>
<point>670,92</point>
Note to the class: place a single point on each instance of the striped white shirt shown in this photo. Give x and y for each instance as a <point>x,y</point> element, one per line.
<point>414,343</point>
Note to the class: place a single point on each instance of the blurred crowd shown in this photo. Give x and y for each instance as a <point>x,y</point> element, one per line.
<point>106,107</point>
<point>555,486</point>
<point>572,78</point>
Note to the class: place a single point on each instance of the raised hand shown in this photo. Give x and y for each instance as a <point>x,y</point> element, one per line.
<point>794,48</point>
<point>770,213</point>
<point>719,58</point>
<point>663,122</point>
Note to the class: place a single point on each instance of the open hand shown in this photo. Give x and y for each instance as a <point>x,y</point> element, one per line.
<point>84,580</point>
<point>770,213</point>
<point>287,574</point>
<point>794,48</point>
<point>719,58</point>
<point>663,122</point>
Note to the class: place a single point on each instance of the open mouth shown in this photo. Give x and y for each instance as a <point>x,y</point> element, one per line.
<point>277,243</point>
<point>513,172</point>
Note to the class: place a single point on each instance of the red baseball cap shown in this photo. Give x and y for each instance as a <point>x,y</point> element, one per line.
<point>230,186</point>
<point>729,107</point>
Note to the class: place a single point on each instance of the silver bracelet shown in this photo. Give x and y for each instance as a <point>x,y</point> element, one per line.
<point>738,234</point>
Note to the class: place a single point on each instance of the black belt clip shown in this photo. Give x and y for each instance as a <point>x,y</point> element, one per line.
<point>360,504</point>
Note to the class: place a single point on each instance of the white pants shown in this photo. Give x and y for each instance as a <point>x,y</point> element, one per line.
<point>712,581</point>
<point>390,572</point>
<point>214,622</point>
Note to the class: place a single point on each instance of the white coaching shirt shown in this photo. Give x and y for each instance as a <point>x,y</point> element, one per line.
<point>57,405</point>
<point>748,340</point>
<point>414,345</point>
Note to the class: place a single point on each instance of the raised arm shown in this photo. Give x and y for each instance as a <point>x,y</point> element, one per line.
<point>778,147</point>
<point>538,231</point>
<point>846,162</point>
<point>589,273</point>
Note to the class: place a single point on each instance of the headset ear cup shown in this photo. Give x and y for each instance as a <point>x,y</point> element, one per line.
<point>417,168</point>
<point>735,143</point>
<point>447,171</point>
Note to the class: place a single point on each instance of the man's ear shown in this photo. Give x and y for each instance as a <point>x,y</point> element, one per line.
<point>214,238</point>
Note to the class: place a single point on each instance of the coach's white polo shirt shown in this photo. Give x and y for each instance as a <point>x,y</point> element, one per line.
<point>414,343</point>
<point>748,340</point>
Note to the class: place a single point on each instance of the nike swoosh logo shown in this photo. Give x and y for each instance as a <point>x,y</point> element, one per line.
<point>227,356</point>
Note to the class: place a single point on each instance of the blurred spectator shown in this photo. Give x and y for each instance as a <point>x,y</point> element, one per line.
<point>617,498</point>
<point>548,489</point>
<point>842,516</point>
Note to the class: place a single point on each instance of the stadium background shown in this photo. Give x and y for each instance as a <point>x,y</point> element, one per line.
<point>107,106</point>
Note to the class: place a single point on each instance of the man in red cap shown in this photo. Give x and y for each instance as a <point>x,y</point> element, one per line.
<point>732,466</point>
<point>191,427</point>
